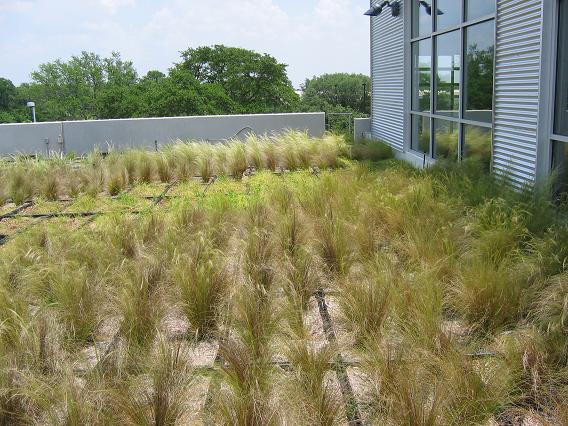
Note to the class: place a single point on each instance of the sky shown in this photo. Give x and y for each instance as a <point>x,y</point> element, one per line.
<point>311,36</point>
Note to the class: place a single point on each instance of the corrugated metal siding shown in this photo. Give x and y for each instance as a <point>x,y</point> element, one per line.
<point>517,79</point>
<point>387,69</point>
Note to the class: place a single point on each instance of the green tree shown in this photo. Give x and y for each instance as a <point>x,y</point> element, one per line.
<point>155,76</point>
<point>209,80</point>
<point>7,94</point>
<point>12,104</point>
<point>87,86</point>
<point>256,83</point>
<point>181,94</point>
<point>338,92</point>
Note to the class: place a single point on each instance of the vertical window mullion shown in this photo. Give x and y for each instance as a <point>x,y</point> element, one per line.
<point>463,52</point>
<point>433,95</point>
<point>433,23</point>
<point>434,15</point>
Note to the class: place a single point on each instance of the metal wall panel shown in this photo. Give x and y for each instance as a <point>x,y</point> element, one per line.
<point>517,80</point>
<point>387,73</point>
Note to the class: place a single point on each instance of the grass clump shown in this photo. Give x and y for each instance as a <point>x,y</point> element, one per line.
<point>139,305</point>
<point>248,372</point>
<point>76,296</point>
<point>163,401</point>
<point>317,401</point>
<point>202,285</point>
<point>20,186</point>
<point>447,288</point>
<point>237,158</point>
<point>365,303</point>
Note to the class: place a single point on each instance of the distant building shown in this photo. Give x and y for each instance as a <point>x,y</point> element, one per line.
<point>483,78</point>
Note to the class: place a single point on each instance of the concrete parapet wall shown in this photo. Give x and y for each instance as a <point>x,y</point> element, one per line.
<point>362,126</point>
<point>82,137</point>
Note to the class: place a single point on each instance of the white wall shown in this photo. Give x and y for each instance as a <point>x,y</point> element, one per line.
<point>361,127</point>
<point>29,138</point>
<point>83,136</point>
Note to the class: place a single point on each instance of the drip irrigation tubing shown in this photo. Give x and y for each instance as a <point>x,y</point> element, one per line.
<point>349,399</point>
<point>17,210</point>
<point>214,384</point>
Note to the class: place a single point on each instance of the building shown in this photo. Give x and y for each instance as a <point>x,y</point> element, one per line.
<point>473,78</point>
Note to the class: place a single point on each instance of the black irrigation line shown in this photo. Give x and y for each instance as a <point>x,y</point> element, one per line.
<point>53,215</point>
<point>340,366</point>
<point>40,217</point>
<point>17,210</point>
<point>16,213</point>
<point>214,384</point>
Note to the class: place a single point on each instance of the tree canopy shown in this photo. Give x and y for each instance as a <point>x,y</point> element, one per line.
<point>12,109</point>
<point>256,83</point>
<point>338,92</point>
<point>206,81</point>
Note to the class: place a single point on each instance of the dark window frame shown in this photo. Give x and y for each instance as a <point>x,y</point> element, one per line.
<point>432,115</point>
<point>559,67</point>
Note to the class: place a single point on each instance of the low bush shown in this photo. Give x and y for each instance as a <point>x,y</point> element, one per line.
<point>371,150</point>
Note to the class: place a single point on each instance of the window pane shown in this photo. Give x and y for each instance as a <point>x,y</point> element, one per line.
<point>421,134</point>
<point>421,19</point>
<point>446,135</point>
<point>421,74</point>
<point>477,145</point>
<point>478,8</point>
<point>449,14</point>
<point>560,168</point>
<point>478,90</point>
<point>448,74</point>
<point>561,117</point>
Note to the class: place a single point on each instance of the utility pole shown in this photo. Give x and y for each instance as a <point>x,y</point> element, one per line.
<point>364,97</point>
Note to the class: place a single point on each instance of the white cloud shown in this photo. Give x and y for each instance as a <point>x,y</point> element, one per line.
<point>113,5</point>
<point>333,11</point>
<point>15,6</point>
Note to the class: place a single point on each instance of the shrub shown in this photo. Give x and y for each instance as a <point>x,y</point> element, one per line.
<point>371,150</point>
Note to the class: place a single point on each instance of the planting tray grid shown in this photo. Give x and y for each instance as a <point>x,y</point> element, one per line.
<point>18,219</point>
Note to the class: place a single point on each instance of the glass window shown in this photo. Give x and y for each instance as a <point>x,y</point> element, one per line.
<point>421,18</point>
<point>421,134</point>
<point>479,8</point>
<point>446,136</point>
<point>421,74</point>
<point>561,110</point>
<point>560,168</point>
<point>477,145</point>
<point>479,72</point>
<point>449,14</point>
<point>448,74</point>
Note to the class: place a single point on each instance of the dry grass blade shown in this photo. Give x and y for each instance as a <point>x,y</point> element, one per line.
<point>139,305</point>
<point>202,285</point>
<point>365,304</point>
<point>163,401</point>
<point>237,159</point>
<point>319,402</point>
